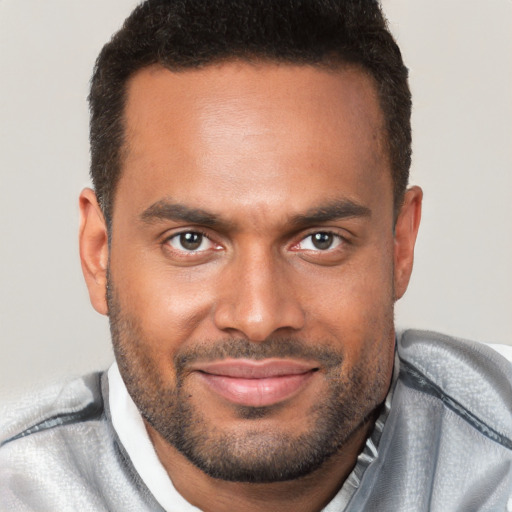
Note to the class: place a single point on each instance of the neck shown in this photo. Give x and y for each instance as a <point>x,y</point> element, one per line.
<point>310,493</point>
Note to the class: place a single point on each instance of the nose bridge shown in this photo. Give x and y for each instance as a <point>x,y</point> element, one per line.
<point>258,299</point>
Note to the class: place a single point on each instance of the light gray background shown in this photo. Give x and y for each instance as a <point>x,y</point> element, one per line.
<point>459,54</point>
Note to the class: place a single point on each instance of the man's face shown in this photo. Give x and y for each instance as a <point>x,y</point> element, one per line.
<point>251,282</point>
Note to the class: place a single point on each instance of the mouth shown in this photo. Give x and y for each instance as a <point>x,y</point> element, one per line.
<point>256,383</point>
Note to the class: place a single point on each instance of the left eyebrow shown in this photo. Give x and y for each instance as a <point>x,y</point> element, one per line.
<point>335,210</point>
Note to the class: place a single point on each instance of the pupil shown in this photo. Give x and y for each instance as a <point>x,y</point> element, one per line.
<point>322,240</point>
<point>191,241</point>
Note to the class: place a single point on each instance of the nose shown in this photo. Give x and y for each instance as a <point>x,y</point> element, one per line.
<point>257,298</point>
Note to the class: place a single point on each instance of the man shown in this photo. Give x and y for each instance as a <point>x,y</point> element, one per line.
<point>248,234</point>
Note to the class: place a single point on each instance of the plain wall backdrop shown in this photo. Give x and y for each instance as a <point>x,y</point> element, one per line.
<point>459,55</point>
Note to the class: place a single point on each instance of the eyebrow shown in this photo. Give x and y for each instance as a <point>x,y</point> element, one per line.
<point>335,210</point>
<point>167,210</point>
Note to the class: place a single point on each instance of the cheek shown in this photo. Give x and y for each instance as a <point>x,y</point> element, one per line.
<point>362,289</point>
<point>167,305</point>
<point>356,306</point>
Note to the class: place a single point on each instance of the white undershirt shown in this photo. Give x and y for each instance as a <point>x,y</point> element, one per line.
<point>132,433</point>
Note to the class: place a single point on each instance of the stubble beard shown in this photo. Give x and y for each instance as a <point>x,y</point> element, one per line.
<point>258,455</point>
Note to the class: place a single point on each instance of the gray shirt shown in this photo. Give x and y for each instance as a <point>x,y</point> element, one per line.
<point>443,443</point>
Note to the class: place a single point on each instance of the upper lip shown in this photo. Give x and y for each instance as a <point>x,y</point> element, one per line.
<point>253,369</point>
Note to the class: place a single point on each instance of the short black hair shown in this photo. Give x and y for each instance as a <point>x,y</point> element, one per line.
<point>184,34</point>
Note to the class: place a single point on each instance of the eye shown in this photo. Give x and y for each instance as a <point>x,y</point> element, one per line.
<point>320,241</point>
<point>190,241</point>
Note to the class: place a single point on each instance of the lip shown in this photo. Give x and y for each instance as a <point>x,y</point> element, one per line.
<point>256,383</point>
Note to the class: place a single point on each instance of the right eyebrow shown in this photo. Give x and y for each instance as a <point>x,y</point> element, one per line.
<point>168,210</point>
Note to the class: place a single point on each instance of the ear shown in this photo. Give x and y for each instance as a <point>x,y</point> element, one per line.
<point>93,238</point>
<point>406,230</point>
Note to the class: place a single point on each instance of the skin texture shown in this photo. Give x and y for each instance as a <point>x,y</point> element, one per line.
<point>255,159</point>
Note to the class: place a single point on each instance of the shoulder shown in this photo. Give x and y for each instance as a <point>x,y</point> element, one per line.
<point>58,405</point>
<point>447,441</point>
<point>51,440</point>
<point>469,378</point>
<point>59,451</point>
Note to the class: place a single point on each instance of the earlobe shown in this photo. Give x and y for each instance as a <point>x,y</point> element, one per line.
<point>93,238</point>
<point>406,230</point>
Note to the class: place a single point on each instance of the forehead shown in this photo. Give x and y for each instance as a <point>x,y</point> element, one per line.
<point>264,134</point>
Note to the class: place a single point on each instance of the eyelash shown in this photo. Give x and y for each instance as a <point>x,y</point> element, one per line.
<point>176,236</point>
<point>337,239</point>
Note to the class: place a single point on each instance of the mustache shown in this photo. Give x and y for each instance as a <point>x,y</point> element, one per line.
<point>275,347</point>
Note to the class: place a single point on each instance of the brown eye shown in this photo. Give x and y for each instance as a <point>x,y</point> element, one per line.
<point>190,241</point>
<point>322,241</point>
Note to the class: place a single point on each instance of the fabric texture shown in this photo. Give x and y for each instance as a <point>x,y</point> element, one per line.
<point>443,442</point>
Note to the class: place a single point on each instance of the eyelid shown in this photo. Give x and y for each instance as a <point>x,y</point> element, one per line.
<point>341,239</point>
<point>175,235</point>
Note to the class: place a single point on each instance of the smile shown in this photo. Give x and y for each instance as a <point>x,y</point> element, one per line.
<point>256,383</point>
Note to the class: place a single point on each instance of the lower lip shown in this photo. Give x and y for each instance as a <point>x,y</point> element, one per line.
<point>256,392</point>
